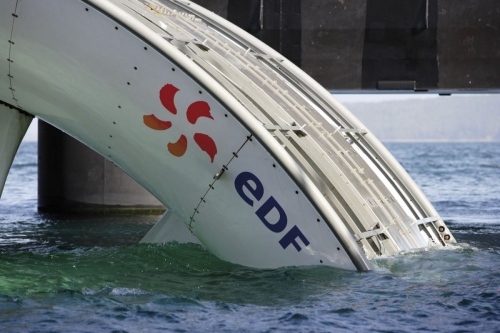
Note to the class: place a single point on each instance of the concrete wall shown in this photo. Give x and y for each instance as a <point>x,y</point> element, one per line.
<point>379,44</point>
<point>73,178</point>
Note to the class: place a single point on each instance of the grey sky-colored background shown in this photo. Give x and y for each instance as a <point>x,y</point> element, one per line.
<point>405,117</point>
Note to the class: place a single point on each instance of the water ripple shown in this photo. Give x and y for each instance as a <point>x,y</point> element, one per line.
<point>82,274</point>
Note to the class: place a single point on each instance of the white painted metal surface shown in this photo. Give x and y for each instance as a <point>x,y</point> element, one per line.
<point>261,163</point>
<point>13,126</point>
<point>170,228</point>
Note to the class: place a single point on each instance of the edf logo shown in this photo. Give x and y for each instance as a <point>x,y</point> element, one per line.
<point>254,187</point>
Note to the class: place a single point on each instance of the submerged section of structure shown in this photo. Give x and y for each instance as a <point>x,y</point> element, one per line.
<point>257,160</point>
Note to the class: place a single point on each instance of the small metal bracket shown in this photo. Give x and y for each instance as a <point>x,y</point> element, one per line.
<point>194,41</point>
<point>425,220</point>
<point>294,128</point>
<point>220,173</point>
<point>370,233</point>
<point>267,56</point>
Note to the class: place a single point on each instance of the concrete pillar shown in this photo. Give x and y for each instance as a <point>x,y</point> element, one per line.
<point>72,178</point>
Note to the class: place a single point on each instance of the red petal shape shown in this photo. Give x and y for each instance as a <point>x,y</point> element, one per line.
<point>154,123</point>
<point>206,144</point>
<point>197,110</point>
<point>179,148</point>
<point>167,94</point>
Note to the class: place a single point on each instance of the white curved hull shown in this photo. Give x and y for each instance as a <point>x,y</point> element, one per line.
<point>156,101</point>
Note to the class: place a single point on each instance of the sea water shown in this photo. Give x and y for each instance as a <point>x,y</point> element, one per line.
<point>88,274</point>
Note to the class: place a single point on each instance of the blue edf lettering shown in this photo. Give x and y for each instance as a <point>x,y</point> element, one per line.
<point>252,184</point>
<point>270,213</point>
<point>264,210</point>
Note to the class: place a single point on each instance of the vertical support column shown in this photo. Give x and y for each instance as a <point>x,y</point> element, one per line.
<point>13,126</point>
<point>332,42</point>
<point>72,178</point>
<point>277,23</point>
<point>400,45</point>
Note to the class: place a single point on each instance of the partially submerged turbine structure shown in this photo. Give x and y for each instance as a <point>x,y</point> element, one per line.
<point>253,158</point>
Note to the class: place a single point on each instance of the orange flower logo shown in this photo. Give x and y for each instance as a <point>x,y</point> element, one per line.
<point>195,111</point>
